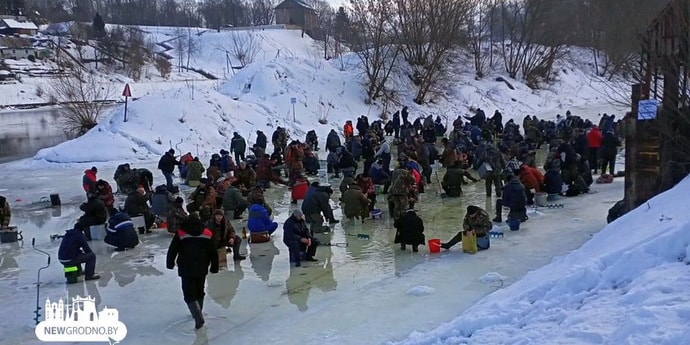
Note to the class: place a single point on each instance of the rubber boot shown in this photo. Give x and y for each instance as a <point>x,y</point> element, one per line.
<point>455,240</point>
<point>499,211</point>
<point>195,310</point>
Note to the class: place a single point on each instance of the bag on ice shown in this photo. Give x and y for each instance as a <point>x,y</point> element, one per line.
<point>469,242</point>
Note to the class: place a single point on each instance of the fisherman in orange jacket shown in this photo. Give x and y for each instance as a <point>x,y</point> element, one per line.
<point>348,130</point>
<point>531,178</point>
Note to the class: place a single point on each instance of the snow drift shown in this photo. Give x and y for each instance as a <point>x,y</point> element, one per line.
<point>627,285</point>
<point>200,117</point>
<point>200,121</point>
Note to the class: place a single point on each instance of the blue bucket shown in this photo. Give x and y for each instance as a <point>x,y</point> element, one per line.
<point>514,224</point>
<point>375,213</point>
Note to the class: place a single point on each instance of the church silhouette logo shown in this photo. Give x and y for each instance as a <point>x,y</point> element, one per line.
<point>80,322</point>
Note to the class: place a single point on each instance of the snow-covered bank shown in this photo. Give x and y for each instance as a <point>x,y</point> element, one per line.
<point>200,117</point>
<point>198,121</point>
<point>628,285</point>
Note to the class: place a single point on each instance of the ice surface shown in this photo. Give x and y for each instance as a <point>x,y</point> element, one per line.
<point>355,294</point>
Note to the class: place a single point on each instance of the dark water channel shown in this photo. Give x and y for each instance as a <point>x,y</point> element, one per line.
<point>25,132</point>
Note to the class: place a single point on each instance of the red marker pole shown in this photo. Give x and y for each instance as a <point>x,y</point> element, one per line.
<point>126,93</point>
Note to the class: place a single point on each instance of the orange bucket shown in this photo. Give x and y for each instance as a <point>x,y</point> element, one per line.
<point>434,245</point>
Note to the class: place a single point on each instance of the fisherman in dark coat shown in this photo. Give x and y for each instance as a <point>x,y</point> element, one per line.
<point>410,230</point>
<point>298,239</point>
<point>193,250</point>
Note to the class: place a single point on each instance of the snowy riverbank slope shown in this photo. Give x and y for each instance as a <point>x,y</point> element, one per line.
<point>627,285</point>
<point>200,117</point>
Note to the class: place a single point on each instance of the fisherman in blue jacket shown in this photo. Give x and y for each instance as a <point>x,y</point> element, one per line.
<point>298,239</point>
<point>74,251</point>
<point>259,220</point>
<point>120,232</point>
<point>514,197</point>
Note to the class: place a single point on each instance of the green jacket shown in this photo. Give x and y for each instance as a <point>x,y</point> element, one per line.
<point>356,203</point>
<point>195,171</point>
<point>452,181</point>
<point>480,222</point>
<point>232,199</point>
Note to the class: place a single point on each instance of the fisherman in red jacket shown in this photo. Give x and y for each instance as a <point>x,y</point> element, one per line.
<point>89,179</point>
<point>594,138</point>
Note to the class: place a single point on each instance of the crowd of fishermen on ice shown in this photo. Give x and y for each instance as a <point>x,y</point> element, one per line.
<point>375,163</point>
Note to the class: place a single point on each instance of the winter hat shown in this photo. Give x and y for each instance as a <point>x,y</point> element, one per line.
<point>472,209</point>
<point>171,151</point>
<point>179,200</point>
<point>219,212</point>
<point>94,169</point>
<point>223,152</point>
<point>79,226</point>
<point>297,213</point>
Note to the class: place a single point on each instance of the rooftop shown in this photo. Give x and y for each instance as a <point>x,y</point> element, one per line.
<point>14,24</point>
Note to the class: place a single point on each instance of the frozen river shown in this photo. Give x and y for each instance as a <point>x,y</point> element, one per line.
<point>362,291</point>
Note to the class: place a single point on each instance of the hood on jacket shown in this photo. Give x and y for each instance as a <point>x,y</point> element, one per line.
<point>162,189</point>
<point>120,221</point>
<point>193,225</point>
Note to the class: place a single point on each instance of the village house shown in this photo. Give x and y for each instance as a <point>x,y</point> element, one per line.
<point>11,25</point>
<point>16,48</point>
<point>296,12</point>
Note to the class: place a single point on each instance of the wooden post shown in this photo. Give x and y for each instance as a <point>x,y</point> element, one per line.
<point>630,148</point>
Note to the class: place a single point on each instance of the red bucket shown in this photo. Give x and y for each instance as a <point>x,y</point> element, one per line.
<point>434,245</point>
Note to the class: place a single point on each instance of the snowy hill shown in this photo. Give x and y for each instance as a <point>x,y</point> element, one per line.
<point>259,97</point>
<point>628,285</point>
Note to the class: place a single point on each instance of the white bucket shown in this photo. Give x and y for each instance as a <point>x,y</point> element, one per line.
<point>97,232</point>
<point>540,199</point>
<point>139,222</point>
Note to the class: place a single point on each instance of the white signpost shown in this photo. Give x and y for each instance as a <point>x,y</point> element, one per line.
<point>293,100</point>
<point>647,108</point>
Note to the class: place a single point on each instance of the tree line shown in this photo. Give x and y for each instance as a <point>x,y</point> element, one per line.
<point>523,37</point>
<point>423,40</point>
<point>208,13</point>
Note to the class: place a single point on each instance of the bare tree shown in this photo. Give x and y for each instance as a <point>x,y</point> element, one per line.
<point>181,46</point>
<point>193,46</point>
<point>262,12</point>
<point>370,24</point>
<point>136,54</point>
<point>325,19</point>
<point>428,31</point>
<point>243,47</point>
<point>478,32</point>
<point>529,43</point>
<point>80,93</point>
<point>163,66</point>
